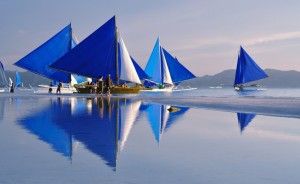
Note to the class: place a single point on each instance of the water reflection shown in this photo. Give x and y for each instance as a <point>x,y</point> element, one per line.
<point>2,107</point>
<point>244,119</point>
<point>251,92</point>
<point>161,119</point>
<point>102,125</point>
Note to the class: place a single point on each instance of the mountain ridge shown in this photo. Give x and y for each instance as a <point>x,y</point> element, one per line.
<point>277,78</point>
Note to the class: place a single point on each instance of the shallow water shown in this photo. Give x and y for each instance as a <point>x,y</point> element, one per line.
<point>65,139</point>
<point>228,92</point>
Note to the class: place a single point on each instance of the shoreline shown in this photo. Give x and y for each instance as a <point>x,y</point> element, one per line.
<point>279,106</point>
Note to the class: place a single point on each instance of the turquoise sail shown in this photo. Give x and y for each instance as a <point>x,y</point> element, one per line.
<point>18,80</point>
<point>38,61</point>
<point>247,70</point>
<point>244,119</point>
<point>155,68</point>
<point>3,81</point>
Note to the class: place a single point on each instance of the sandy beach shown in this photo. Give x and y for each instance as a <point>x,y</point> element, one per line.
<point>284,107</point>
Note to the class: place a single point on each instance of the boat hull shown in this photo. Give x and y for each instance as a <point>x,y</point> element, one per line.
<point>86,89</point>
<point>249,88</point>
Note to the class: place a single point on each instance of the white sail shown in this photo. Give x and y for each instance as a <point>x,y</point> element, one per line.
<point>166,73</point>
<point>128,72</point>
<point>73,80</point>
<point>3,81</point>
<point>10,82</point>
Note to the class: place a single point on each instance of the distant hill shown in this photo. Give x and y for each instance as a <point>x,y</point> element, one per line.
<point>27,78</point>
<point>277,78</point>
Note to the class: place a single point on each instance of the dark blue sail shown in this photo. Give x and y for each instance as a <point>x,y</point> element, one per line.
<point>141,73</point>
<point>247,70</point>
<point>94,56</point>
<point>177,70</point>
<point>244,119</point>
<point>38,60</point>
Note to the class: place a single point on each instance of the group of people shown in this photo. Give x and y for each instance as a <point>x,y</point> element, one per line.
<point>58,89</point>
<point>103,86</point>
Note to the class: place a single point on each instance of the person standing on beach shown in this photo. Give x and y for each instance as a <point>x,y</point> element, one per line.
<point>50,87</point>
<point>100,85</point>
<point>12,88</point>
<point>58,90</point>
<point>108,84</point>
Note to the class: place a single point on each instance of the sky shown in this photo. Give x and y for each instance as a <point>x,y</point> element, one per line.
<point>205,35</point>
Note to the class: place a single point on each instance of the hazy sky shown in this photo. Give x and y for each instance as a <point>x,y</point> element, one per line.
<point>204,35</point>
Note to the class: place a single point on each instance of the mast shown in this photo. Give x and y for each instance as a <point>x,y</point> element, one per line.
<point>116,51</point>
<point>117,133</point>
<point>70,42</point>
<point>161,66</point>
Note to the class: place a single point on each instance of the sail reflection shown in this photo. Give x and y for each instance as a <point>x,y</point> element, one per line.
<point>101,124</point>
<point>244,119</point>
<point>161,119</point>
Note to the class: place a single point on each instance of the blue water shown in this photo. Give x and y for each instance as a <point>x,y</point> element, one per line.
<point>77,139</point>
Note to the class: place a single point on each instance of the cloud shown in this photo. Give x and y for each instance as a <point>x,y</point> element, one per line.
<point>274,37</point>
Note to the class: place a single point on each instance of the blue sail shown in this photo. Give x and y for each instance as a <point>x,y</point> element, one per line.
<point>177,70</point>
<point>94,56</point>
<point>18,80</point>
<point>141,73</point>
<point>3,81</point>
<point>41,124</point>
<point>244,119</point>
<point>155,67</point>
<point>38,60</point>
<point>247,70</point>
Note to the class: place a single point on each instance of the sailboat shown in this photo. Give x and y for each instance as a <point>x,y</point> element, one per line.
<point>3,82</point>
<point>38,60</point>
<point>244,119</point>
<point>102,53</point>
<point>19,84</point>
<point>247,71</point>
<point>164,70</point>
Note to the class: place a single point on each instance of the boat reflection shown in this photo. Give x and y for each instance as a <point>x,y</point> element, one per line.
<point>244,119</point>
<point>102,125</point>
<point>161,118</point>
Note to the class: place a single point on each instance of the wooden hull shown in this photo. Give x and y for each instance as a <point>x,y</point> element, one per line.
<point>88,89</point>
